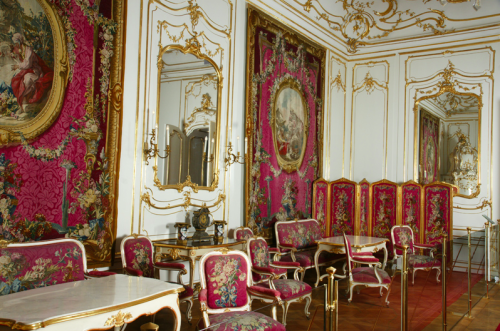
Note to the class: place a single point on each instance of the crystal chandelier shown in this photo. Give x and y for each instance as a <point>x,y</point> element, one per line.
<point>477,3</point>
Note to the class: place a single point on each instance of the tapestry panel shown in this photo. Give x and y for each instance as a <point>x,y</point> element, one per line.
<point>284,122</point>
<point>57,177</point>
<point>384,201</point>
<point>320,205</point>
<point>411,195</point>
<point>438,212</point>
<point>429,147</point>
<point>364,208</point>
<point>342,207</point>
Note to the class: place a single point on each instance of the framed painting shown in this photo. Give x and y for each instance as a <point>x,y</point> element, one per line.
<point>429,148</point>
<point>33,69</point>
<point>284,122</point>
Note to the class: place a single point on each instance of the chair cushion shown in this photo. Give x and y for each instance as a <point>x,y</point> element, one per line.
<point>188,292</point>
<point>242,321</point>
<point>277,271</point>
<point>367,275</point>
<point>226,279</point>
<point>289,288</point>
<point>306,258</point>
<point>422,261</point>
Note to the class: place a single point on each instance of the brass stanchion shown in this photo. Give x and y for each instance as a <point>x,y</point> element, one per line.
<point>404,290</point>
<point>332,304</point>
<point>443,277</point>
<point>487,238</point>
<point>469,305</point>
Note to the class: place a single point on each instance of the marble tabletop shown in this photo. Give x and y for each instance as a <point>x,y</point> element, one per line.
<point>356,241</point>
<point>79,299</point>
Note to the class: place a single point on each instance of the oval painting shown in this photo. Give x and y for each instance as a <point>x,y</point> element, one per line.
<point>26,61</point>
<point>289,128</point>
<point>32,49</point>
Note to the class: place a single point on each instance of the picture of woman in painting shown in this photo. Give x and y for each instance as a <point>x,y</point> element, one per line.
<point>32,79</point>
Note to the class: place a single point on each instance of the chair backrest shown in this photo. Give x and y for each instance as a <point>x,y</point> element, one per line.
<point>225,274</point>
<point>243,233</point>
<point>258,251</point>
<point>299,233</point>
<point>30,265</point>
<point>348,253</point>
<point>402,235</point>
<point>137,253</point>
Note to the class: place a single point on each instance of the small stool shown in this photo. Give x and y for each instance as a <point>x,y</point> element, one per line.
<point>150,327</point>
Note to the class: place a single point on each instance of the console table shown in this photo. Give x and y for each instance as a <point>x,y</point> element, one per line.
<point>103,302</point>
<point>359,243</point>
<point>192,251</point>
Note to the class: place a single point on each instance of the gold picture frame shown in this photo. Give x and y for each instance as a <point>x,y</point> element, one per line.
<point>32,128</point>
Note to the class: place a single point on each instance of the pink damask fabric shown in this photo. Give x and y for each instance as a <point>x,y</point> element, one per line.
<point>343,207</point>
<point>24,268</point>
<point>411,215</point>
<point>320,205</point>
<point>226,277</point>
<point>139,255</point>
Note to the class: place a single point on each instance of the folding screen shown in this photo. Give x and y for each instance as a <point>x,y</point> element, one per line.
<point>411,205</point>
<point>363,206</point>
<point>438,212</point>
<point>321,199</point>
<point>384,209</point>
<point>342,207</point>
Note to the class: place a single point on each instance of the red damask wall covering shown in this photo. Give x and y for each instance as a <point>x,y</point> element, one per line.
<point>60,104</point>
<point>284,121</point>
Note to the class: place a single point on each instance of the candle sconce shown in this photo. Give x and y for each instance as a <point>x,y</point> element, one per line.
<point>208,159</point>
<point>150,152</point>
<point>232,158</point>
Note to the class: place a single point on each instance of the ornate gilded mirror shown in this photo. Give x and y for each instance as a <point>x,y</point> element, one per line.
<point>187,119</point>
<point>447,134</point>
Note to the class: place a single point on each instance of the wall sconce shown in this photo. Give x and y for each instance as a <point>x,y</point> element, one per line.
<point>231,158</point>
<point>150,152</point>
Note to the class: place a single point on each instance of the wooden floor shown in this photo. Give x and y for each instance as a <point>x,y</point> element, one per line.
<point>368,310</point>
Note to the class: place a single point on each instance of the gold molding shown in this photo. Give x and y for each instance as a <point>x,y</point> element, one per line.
<point>146,198</point>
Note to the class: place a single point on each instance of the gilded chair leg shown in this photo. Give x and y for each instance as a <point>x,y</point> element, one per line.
<point>308,303</point>
<point>188,309</point>
<point>302,276</point>
<point>413,272</point>
<point>285,311</point>
<point>274,313</point>
<point>437,275</point>
<point>351,290</point>
<point>381,293</point>
<point>387,295</point>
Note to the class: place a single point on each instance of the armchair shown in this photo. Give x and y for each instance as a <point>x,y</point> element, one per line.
<point>244,233</point>
<point>403,235</point>
<point>269,274</point>
<point>227,291</point>
<point>371,276</point>
<point>137,260</point>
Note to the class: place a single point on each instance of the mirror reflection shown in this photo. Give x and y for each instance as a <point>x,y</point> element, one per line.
<point>449,132</point>
<point>187,119</point>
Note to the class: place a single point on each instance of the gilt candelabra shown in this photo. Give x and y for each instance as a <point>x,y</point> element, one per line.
<point>152,151</point>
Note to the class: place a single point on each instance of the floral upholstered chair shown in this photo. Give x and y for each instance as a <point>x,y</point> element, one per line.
<point>403,235</point>
<point>137,260</point>
<point>227,292</point>
<point>269,274</point>
<point>244,233</point>
<point>371,276</point>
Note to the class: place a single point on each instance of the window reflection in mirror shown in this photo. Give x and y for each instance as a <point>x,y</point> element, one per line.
<point>449,131</point>
<point>187,118</point>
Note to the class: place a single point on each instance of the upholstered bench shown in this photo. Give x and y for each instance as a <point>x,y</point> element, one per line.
<point>25,266</point>
<point>296,241</point>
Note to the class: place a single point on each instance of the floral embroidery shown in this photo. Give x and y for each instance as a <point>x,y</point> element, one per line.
<point>343,209</point>
<point>242,321</point>
<point>437,221</point>
<point>320,215</point>
<point>142,259</point>
<point>42,272</point>
<point>289,287</point>
<point>385,212</point>
<point>224,277</point>
<point>260,254</point>
<point>300,234</point>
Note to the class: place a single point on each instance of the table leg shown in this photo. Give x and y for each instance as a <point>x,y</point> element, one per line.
<point>192,265</point>
<point>385,256</point>
<point>316,258</point>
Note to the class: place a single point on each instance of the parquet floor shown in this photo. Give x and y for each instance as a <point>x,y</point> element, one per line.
<point>368,310</point>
